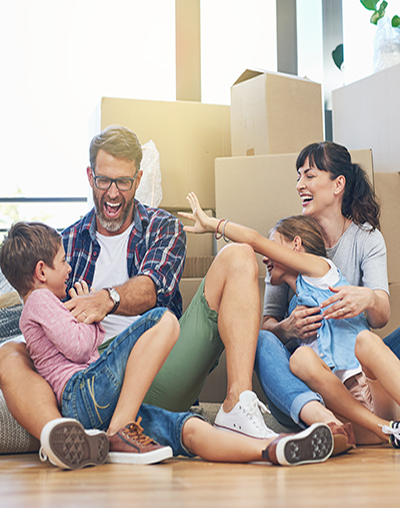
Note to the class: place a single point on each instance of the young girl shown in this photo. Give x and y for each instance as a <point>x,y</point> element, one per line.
<point>105,392</point>
<point>345,351</point>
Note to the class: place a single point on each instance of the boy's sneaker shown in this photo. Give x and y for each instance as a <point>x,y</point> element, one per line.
<point>314,444</point>
<point>393,429</point>
<point>130,446</point>
<point>66,444</point>
<point>245,418</point>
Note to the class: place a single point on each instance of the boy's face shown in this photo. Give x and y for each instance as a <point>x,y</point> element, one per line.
<point>57,276</point>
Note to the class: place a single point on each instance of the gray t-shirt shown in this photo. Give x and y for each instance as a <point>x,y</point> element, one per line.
<point>360,255</point>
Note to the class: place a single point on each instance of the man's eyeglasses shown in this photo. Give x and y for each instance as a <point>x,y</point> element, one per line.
<point>104,183</point>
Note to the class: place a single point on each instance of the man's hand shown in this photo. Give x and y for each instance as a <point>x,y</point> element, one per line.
<point>88,307</point>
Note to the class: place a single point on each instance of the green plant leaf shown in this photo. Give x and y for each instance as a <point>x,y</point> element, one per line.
<point>338,56</point>
<point>395,21</point>
<point>377,15</point>
<point>370,4</point>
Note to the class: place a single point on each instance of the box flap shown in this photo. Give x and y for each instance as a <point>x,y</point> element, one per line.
<point>248,74</point>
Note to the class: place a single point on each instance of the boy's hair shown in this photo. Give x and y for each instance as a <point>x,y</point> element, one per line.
<point>25,245</point>
<point>307,229</point>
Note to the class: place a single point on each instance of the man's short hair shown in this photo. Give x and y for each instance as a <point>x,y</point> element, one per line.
<point>119,142</point>
<point>25,245</point>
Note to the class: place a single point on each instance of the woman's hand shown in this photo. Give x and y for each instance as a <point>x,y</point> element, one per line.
<point>303,323</point>
<point>203,223</point>
<point>347,302</point>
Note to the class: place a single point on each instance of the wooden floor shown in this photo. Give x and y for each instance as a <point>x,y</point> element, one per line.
<point>366,477</point>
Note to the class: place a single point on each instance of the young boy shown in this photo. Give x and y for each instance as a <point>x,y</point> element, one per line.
<point>105,392</point>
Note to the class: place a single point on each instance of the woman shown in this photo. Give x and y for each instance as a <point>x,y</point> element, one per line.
<point>338,195</point>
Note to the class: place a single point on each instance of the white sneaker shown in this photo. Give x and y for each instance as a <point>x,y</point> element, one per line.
<point>66,444</point>
<point>245,418</point>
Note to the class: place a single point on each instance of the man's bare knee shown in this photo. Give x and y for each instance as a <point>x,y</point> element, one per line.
<point>237,258</point>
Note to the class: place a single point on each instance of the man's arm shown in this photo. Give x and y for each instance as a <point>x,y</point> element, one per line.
<point>137,295</point>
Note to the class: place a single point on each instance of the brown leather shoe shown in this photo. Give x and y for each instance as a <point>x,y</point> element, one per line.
<point>311,445</point>
<point>130,446</point>
<point>343,437</point>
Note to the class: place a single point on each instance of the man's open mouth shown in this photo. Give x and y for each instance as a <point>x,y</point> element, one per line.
<point>112,209</point>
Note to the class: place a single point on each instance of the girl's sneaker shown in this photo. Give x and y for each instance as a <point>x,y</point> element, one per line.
<point>393,429</point>
<point>312,445</point>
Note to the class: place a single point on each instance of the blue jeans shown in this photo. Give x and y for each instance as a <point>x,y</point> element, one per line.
<point>393,342</point>
<point>91,395</point>
<point>286,394</point>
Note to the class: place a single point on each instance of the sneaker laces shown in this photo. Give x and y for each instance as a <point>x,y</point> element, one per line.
<point>135,431</point>
<point>393,431</point>
<point>254,408</point>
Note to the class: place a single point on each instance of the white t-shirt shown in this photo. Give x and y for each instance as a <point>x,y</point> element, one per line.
<point>112,270</point>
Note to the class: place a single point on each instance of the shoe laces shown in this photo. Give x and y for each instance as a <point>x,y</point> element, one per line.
<point>392,430</point>
<point>134,431</point>
<point>253,409</point>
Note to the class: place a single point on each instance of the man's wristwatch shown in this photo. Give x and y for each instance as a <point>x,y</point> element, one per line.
<point>113,294</point>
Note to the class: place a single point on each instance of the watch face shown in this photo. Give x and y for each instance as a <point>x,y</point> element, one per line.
<point>114,295</point>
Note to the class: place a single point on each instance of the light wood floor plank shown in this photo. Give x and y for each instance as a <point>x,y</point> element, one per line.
<point>367,477</point>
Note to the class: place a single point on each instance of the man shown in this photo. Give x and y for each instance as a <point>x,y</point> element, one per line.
<point>132,256</point>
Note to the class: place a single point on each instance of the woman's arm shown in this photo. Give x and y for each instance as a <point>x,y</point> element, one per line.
<point>301,262</point>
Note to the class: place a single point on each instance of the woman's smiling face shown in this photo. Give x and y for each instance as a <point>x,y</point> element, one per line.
<point>316,189</point>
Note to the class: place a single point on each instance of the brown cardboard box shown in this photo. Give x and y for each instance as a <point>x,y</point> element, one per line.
<point>365,114</point>
<point>387,186</point>
<point>394,321</point>
<point>188,136</point>
<point>258,191</point>
<point>274,113</point>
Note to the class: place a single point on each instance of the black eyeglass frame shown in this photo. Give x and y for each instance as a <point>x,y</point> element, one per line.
<point>113,180</point>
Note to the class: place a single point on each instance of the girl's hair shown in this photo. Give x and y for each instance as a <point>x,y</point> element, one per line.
<point>359,201</point>
<point>307,229</point>
<point>25,245</point>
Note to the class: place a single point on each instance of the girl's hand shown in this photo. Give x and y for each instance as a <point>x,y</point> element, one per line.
<point>347,302</point>
<point>202,223</point>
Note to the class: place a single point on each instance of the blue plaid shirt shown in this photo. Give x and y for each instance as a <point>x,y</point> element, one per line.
<point>156,248</point>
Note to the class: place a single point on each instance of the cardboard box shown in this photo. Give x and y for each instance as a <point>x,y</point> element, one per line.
<point>365,114</point>
<point>196,267</point>
<point>387,187</point>
<point>188,135</point>
<point>394,321</point>
<point>258,191</point>
<point>274,113</point>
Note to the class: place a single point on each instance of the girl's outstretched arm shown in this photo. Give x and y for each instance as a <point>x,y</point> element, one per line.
<point>302,262</point>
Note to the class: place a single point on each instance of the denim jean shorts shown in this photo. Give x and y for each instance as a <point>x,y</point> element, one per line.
<point>91,395</point>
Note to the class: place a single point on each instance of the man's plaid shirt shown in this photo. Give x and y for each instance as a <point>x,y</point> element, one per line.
<point>156,248</point>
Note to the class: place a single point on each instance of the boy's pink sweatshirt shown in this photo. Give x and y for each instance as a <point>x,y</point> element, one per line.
<point>59,346</point>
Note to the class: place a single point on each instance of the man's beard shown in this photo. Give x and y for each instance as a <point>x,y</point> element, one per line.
<point>112,225</point>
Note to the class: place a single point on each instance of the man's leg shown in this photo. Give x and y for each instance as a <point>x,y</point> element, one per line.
<point>29,397</point>
<point>231,289</point>
<point>225,312</point>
